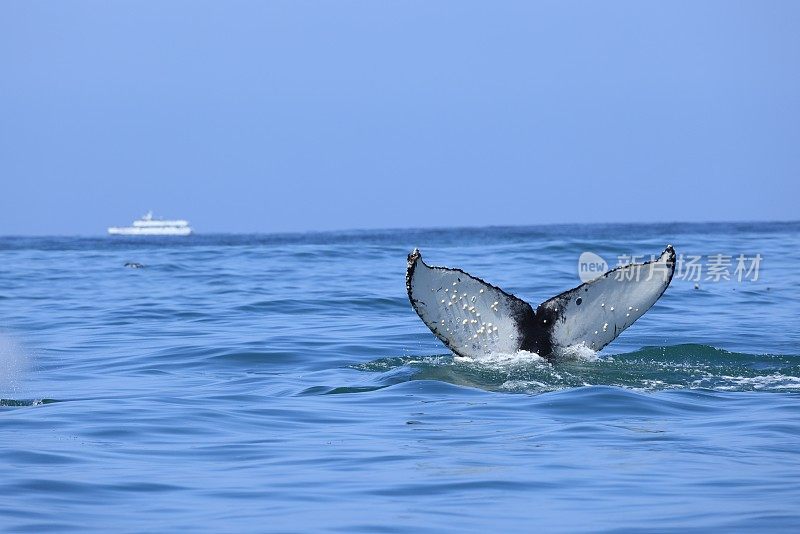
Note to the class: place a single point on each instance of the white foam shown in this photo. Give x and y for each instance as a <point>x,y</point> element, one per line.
<point>772,382</point>
<point>574,352</point>
<point>504,359</point>
<point>578,352</point>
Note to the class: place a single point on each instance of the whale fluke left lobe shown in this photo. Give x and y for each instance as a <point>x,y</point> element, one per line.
<point>472,317</point>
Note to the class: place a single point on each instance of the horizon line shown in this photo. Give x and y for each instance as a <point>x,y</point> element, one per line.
<point>402,228</point>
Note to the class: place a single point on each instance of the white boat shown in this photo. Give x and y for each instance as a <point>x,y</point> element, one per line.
<point>147,225</point>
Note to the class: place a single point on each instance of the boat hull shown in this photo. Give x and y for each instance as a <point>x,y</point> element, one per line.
<point>144,230</point>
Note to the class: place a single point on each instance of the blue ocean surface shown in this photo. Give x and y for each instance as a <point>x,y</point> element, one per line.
<point>284,383</point>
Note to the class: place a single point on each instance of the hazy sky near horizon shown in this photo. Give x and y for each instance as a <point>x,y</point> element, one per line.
<point>273,116</point>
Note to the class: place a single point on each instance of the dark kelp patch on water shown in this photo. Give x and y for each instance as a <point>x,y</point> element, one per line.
<point>16,403</point>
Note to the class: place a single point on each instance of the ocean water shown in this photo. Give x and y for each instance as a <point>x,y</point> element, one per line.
<point>283,383</point>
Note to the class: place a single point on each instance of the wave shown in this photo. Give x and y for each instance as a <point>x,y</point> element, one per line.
<point>692,367</point>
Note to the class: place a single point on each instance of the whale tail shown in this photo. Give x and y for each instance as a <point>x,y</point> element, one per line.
<point>474,318</point>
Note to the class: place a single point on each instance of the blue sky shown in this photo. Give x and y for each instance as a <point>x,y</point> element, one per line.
<point>272,116</point>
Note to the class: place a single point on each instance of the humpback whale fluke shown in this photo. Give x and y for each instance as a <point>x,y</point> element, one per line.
<point>474,318</point>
